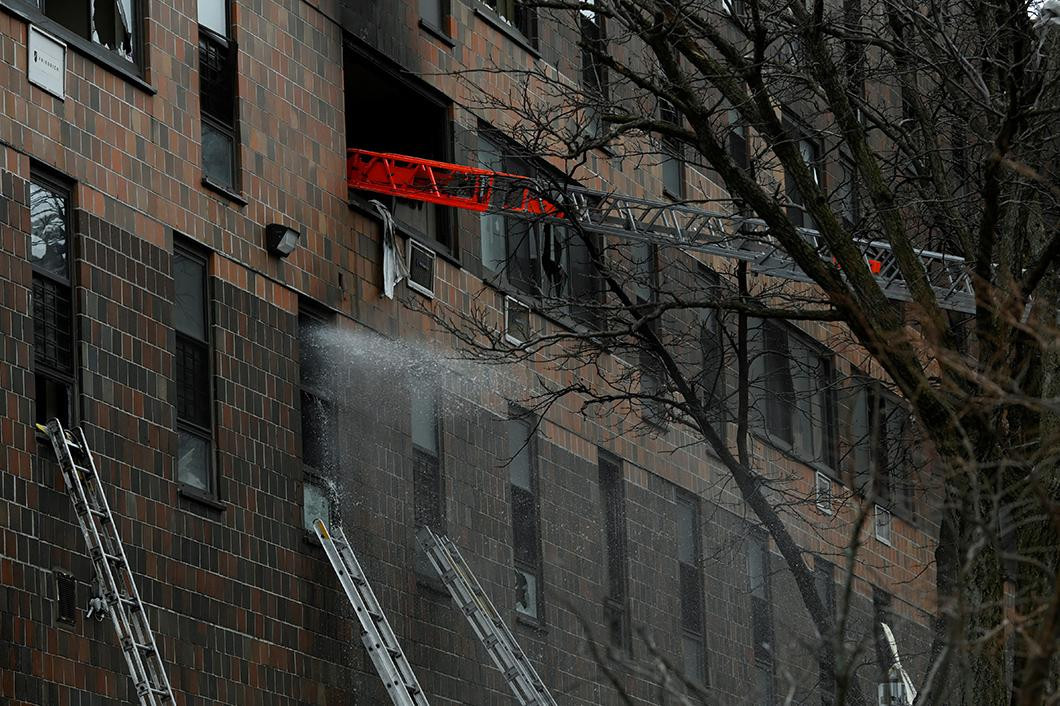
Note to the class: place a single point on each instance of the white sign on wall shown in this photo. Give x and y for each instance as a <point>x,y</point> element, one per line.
<point>47,62</point>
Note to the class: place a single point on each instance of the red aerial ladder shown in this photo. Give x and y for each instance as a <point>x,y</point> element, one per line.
<point>661,222</point>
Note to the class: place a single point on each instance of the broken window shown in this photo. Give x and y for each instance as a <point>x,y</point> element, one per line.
<point>112,24</point>
<point>192,371</point>
<point>810,152</point>
<point>53,324</point>
<point>403,118</point>
<point>217,95</point>
<point>594,72</point>
<point>526,543</point>
<point>318,421</point>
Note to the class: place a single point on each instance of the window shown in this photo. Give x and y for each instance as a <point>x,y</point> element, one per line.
<point>432,12</point>
<point>690,569</point>
<point>739,147</point>
<point>526,542</point>
<point>796,379</point>
<point>594,72</point>
<point>644,261</point>
<point>193,368</point>
<point>217,95</point>
<point>318,419</point>
<point>518,15</point>
<point>545,260</point>
<point>881,442</point>
<point>673,161</point>
<point>428,494</point>
<point>824,578</point>
<point>111,24</point>
<point>613,496</point>
<point>53,306</point>
<point>712,347</point>
<point>846,193</point>
<point>416,123</point>
<point>758,574</point>
<point>810,153</point>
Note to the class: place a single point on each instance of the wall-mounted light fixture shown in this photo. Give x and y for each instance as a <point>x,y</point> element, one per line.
<point>281,240</point>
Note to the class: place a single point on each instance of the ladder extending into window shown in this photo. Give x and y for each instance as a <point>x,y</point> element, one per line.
<point>378,638</point>
<point>113,574</point>
<point>487,623</point>
<point>661,222</point>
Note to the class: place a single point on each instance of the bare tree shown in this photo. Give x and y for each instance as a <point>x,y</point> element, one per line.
<point>821,128</point>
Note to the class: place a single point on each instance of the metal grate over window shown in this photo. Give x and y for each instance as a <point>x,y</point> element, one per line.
<point>193,382</point>
<point>52,334</point>
<point>66,598</point>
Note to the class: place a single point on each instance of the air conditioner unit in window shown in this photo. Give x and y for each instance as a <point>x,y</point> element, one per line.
<point>421,268</point>
<point>883,525</point>
<point>822,492</point>
<point>516,321</point>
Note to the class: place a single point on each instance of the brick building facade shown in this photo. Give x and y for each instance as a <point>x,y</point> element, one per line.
<point>138,300</point>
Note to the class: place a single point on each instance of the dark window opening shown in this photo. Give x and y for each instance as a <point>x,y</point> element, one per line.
<point>673,159</point>
<point>795,387</point>
<point>810,152</point>
<point>847,194</point>
<point>385,113</point>
<point>53,306</point>
<point>318,418</point>
<point>433,12</point>
<point>712,338</point>
<point>66,598</point>
<point>739,145</point>
<point>526,541</point>
<point>519,15</point>
<point>613,496</point>
<point>112,24</point>
<point>218,95</point>
<point>192,371</point>
<point>758,573</point>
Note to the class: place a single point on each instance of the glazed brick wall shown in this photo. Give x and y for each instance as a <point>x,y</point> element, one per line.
<point>242,604</point>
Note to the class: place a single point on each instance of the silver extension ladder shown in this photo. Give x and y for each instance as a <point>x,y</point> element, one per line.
<point>113,573</point>
<point>487,623</point>
<point>378,638</point>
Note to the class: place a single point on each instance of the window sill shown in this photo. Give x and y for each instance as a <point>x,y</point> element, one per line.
<point>493,20</point>
<point>128,71</point>
<point>437,33</point>
<point>530,623</point>
<point>224,191</point>
<point>200,497</point>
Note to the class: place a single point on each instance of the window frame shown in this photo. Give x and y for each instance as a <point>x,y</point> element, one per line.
<point>594,79</point>
<point>771,401</point>
<point>227,43</point>
<point>796,201</point>
<point>189,250</point>
<point>714,390</point>
<point>526,34</point>
<point>313,314</point>
<point>131,71</point>
<point>764,658</point>
<point>536,567</point>
<point>698,600</point>
<point>42,371</point>
<point>611,482</point>
<point>672,153</point>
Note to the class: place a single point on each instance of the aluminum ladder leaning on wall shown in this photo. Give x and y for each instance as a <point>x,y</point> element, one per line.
<point>113,574</point>
<point>378,638</point>
<point>487,623</point>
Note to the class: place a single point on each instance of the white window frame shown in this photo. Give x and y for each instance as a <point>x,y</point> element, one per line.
<point>509,302</point>
<point>823,500</point>
<point>878,513</point>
